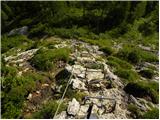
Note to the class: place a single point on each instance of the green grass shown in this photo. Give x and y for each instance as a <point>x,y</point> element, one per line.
<point>45,59</point>
<point>135,111</point>
<point>107,50</point>
<point>151,114</point>
<point>144,89</point>
<point>136,55</point>
<point>18,41</point>
<point>114,61</point>
<point>127,75</point>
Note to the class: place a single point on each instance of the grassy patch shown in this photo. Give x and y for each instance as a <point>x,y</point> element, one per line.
<point>136,55</point>
<point>127,75</point>
<point>151,114</point>
<point>135,111</point>
<point>19,41</point>
<point>144,89</point>
<point>107,50</point>
<point>45,59</point>
<point>116,62</point>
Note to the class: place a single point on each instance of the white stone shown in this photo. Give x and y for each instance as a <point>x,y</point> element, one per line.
<point>77,84</point>
<point>94,75</point>
<point>83,110</point>
<point>62,115</point>
<point>29,96</point>
<point>73,107</point>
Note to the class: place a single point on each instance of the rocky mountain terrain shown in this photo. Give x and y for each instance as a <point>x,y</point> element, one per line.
<point>100,92</point>
<point>80,59</point>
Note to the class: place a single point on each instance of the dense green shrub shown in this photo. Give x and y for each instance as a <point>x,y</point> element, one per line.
<point>151,114</point>
<point>37,30</point>
<point>148,73</point>
<point>48,110</point>
<point>128,75</point>
<point>121,63</point>
<point>44,59</point>
<point>143,89</point>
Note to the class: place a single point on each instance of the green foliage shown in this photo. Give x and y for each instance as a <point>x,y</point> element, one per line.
<point>107,50</point>
<point>13,41</point>
<point>48,110</point>
<point>45,59</point>
<point>135,55</point>
<point>116,62</point>
<point>135,111</point>
<point>129,54</point>
<point>68,33</point>
<point>143,89</point>
<point>37,30</point>
<point>8,71</point>
<point>25,22</point>
<point>15,90</point>
<point>148,56</point>
<point>148,73</point>
<point>11,111</point>
<point>151,114</point>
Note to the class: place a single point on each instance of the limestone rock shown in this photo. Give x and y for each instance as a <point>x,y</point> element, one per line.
<point>62,115</point>
<point>77,84</point>
<point>83,110</point>
<point>94,75</point>
<point>73,107</point>
<point>29,96</point>
<point>19,31</point>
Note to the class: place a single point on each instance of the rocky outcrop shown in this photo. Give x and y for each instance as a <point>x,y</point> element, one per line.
<point>19,31</point>
<point>77,84</point>
<point>73,107</point>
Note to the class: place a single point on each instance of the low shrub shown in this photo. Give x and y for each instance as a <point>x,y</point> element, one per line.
<point>44,59</point>
<point>147,73</point>
<point>143,89</point>
<point>151,114</point>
